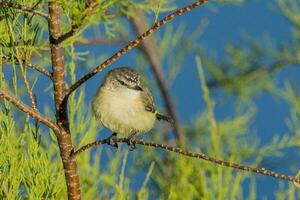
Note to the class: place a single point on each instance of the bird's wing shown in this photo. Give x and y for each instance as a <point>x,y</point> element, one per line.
<point>148,101</point>
<point>150,106</point>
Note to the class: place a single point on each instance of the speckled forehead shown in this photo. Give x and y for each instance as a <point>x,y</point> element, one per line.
<point>129,75</point>
<point>132,76</point>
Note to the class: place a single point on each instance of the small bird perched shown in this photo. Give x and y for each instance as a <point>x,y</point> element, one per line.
<point>125,105</point>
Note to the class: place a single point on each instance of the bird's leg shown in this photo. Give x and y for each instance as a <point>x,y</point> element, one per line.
<point>110,140</point>
<point>130,141</point>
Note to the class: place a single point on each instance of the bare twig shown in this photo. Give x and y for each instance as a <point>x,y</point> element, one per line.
<point>88,10</point>
<point>30,65</point>
<point>34,114</point>
<point>202,156</point>
<point>24,8</point>
<point>39,69</point>
<point>29,90</point>
<point>149,48</point>
<point>23,73</point>
<point>133,44</point>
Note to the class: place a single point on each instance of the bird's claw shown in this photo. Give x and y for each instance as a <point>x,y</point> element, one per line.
<point>131,144</point>
<point>110,140</point>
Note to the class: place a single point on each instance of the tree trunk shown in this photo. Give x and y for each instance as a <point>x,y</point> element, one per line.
<point>64,137</point>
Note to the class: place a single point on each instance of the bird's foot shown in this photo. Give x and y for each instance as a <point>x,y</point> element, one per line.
<point>131,143</point>
<point>110,140</point>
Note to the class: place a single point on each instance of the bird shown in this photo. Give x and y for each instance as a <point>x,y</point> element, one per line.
<point>125,105</point>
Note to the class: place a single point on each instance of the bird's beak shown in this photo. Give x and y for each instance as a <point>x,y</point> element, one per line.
<point>137,88</point>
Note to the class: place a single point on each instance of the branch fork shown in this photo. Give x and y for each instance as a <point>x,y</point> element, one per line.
<point>9,4</point>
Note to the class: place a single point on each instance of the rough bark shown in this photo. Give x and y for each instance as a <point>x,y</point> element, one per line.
<point>64,137</point>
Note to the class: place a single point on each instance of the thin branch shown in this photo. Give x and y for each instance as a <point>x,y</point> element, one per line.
<point>149,48</point>
<point>24,8</point>
<point>75,27</point>
<point>39,69</point>
<point>202,156</point>
<point>23,107</point>
<point>29,90</point>
<point>27,85</point>
<point>30,65</point>
<point>133,44</point>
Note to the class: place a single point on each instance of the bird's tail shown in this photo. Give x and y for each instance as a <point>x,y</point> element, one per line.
<point>165,118</point>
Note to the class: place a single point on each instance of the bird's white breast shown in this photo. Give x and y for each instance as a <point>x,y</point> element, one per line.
<point>122,111</point>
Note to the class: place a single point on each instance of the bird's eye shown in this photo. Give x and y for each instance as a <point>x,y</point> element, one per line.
<point>122,82</point>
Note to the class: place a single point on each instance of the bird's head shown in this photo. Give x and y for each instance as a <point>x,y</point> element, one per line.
<point>123,77</point>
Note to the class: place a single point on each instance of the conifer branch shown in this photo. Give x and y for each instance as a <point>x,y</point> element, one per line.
<point>23,107</point>
<point>4,3</point>
<point>133,44</point>
<point>75,27</point>
<point>29,90</point>
<point>39,69</point>
<point>261,70</point>
<point>202,156</point>
<point>30,65</point>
